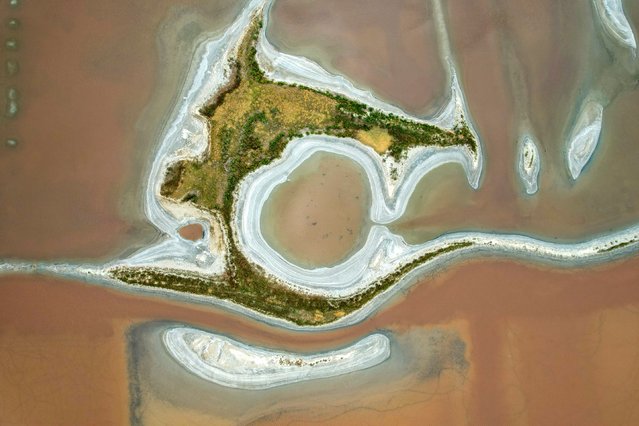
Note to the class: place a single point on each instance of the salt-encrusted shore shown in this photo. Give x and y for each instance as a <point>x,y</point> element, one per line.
<point>529,163</point>
<point>615,23</point>
<point>383,253</point>
<point>597,250</point>
<point>186,136</point>
<point>584,137</point>
<point>233,364</point>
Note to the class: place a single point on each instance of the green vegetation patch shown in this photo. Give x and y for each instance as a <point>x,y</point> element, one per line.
<point>617,246</point>
<point>252,119</point>
<point>249,287</point>
<point>250,122</point>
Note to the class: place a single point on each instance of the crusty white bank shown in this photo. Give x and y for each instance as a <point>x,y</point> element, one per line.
<point>233,364</point>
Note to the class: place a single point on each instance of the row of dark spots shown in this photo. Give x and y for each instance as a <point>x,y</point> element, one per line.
<point>11,67</point>
<point>315,222</point>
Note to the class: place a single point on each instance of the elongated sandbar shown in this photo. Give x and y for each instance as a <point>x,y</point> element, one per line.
<point>233,364</point>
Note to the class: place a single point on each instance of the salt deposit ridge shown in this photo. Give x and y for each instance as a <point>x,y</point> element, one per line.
<point>185,137</point>
<point>230,363</point>
<point>584,137</point>
<point>383,252</point>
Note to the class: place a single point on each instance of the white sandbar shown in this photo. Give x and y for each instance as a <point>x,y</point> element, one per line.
<point>584,137</point>
<point>614,21</point>
<point>233,364</point>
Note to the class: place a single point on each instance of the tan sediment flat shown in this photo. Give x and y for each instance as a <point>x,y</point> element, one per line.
<point>548,346</point>
<point>541,344</point>
<point>422,396</point>
<point>325,201</point>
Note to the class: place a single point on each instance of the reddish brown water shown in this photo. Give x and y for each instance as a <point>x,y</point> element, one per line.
<point>513,73</point>
<point>541,345</point>
<point>192,232</point>
<point>605,197</point>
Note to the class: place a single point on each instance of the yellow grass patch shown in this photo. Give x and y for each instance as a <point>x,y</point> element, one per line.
<point>376,138</point>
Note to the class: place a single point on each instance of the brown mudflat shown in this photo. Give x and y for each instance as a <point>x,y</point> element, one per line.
<point>192,232</point>
<point>317,217</point>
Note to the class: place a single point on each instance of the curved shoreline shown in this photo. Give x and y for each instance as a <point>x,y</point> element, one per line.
<point>584,137</point>
<point>614,21</point>
<point>186,137</point>
<point>382,252</point>
<point>603,249</point>
<point>233,364</point>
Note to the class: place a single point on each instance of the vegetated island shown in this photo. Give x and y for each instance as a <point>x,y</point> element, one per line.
<point>250,121</point>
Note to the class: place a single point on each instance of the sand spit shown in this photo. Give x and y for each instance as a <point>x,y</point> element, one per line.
<point>233,364</point>
<point>615,23</point>
<point>584,137</point>
<point>528,163</point>
<point>601,249</point>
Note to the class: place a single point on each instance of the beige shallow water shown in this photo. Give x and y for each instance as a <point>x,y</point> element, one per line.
<point>95,84</point>
<point>319,216</point>
<point>540,345</point>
